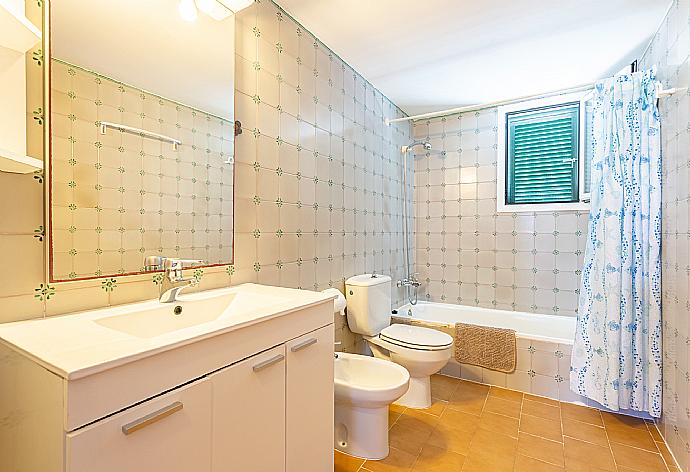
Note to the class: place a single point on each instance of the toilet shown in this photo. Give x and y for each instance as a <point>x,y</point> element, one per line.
<point>364,387</point>
<point>422,351</point>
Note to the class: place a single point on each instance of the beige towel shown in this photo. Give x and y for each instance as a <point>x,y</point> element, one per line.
<point>491,348</point>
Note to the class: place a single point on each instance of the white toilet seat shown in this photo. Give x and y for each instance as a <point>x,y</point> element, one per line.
<point>416,337</point>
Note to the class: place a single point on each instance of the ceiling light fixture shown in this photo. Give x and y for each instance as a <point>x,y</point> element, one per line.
<point>187,10</point>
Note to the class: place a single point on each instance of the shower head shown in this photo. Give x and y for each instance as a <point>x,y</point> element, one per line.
<point>425,144</point>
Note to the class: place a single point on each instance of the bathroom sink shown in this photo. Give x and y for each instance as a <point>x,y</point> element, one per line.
<point>186,312</point>
<point>168,317</point>
<point>85,343</point>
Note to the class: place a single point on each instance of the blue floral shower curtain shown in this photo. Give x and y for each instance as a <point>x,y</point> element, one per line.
<point>617,358</point>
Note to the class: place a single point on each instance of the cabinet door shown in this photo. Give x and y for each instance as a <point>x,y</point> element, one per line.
<point>310,402</point>
<point>249,414</point>
<point>171,433</point>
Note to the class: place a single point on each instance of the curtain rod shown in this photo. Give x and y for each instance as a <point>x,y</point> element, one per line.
<point>580,88</point>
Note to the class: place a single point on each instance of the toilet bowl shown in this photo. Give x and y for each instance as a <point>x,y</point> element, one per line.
<point>422,351</point>
<point>364,387</point>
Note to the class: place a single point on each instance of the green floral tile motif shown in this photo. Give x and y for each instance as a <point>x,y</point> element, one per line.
<point>157,278</point>
<point>37,57</point>
<point>38,116</point>
<point>230,270</point>
<point>197,276</point>
<point>39,233</point>
<point>44,292</point>
<point>109,285</point>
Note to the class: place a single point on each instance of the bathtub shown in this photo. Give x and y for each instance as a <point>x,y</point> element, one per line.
<point>547,328</point>
<point>544,344</point>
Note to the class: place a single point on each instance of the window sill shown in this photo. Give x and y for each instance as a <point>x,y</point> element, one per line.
<point>542,207</point>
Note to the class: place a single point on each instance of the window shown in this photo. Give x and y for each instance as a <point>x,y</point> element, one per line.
<point>542,164</point>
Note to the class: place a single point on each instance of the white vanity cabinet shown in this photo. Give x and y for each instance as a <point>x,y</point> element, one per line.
<point>309,397</point>
<point>249,414</point>
<point>171,432</point>
<point>258,398</point>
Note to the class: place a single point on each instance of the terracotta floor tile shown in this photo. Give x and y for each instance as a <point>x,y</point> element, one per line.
<point>346,463</point>
<point>506,394</point>
<point>585,432</point>
<point>397,461</point>
<point>393,415</point>
<point>574,465</point>
<point>468,386</point>
<point>491,451</point>
<point>436,409</point>
<point>433,459</point>
<point>537,398</point>
<point>631,436</point>
<point>666,454</point>
<point>542,410</point>
<point>442,386</point>
<point>542,449</point>
<point>528,464</point>
<point>579,454</point>
<point>499,424</point>
<point>455,438</point>
<point>502,407</point>
<point>616,420</point>
<point>417,420</point>
<point>581,413</point>
<point>470,400</point>
<point>638,459</point>
<point>457,418</point>
<point>655,432</point>
<point>408,439</point>
<point>545,428</point>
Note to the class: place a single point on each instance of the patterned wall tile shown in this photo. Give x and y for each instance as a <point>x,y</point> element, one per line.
<point>469,254</point>
<point>669,52</point>
<point>319,177</point>
<point>119,197</point>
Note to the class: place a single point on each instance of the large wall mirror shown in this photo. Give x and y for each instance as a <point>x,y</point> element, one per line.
<point>141,135</point>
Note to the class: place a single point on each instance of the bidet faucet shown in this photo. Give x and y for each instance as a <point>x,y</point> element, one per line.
<point>173,282</point>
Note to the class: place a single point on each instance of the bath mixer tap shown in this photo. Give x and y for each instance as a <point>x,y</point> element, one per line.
<point>173,282</point>
<point>409,282</point>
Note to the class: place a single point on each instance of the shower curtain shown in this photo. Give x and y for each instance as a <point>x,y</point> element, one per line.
<point>616,359</point>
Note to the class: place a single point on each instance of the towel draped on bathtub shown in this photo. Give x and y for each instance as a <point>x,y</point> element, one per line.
<point>484,346</point>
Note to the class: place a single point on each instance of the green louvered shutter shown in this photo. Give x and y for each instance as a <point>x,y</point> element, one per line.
<point>543,155</point>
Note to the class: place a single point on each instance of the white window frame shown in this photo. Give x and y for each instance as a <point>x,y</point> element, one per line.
<point>502,158</point>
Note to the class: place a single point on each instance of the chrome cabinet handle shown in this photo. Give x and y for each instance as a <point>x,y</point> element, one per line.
<point>268,362</point>
<point>151,418</point>
<point>303,344</point>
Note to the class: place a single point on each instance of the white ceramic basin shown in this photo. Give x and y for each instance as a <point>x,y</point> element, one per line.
<point>184,313</point>
<point>82,344</point>
<point>367,381</point>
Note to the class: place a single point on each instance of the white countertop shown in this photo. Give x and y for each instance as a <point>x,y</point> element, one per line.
<point>80,344</point>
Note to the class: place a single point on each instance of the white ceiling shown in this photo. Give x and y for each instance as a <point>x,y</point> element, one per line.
<point>148,45</point>
<point>434,54</point>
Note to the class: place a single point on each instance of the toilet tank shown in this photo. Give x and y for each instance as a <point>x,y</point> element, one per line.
<point>368,303</point>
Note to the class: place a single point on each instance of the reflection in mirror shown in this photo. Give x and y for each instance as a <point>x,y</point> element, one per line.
<point>142,133</point>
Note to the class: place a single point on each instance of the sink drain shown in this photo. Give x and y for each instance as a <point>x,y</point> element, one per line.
<point>177,310</point>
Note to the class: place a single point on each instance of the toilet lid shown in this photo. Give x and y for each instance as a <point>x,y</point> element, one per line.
<point>416,337</point>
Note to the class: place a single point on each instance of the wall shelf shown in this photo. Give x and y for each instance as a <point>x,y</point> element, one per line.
<point>18,164</point>
<point>16,31</point>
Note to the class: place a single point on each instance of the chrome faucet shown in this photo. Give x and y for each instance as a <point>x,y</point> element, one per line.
<point>409,282</point>
<point>173,282</point>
